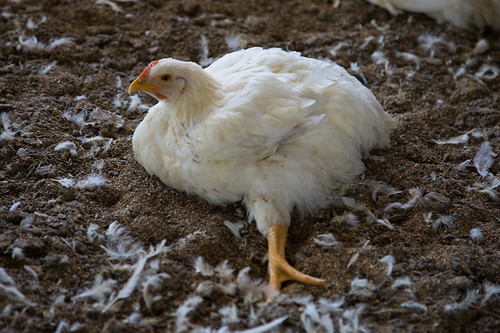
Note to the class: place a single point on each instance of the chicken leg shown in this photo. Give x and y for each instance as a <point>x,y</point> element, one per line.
<point>279,269</point>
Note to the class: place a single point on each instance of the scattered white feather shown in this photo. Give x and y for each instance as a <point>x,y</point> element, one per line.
<point>29,43</point>
<point>335,49</point>
<point>235,43</point>
<point>136,103</point>
<point>92,232</point>
<point>327,240</point>
<point>431,43</point>
<point>410,57</point>
<point>62,327</point>
<point>92,180</point>
<point>403,282</point>
<point>459,72</point>
<point>152,282</point>
<point>311,311</point>
<point>389,260</point>
<point>224,270</point>
<point>374,23</point>
<point>329,306</point>
<point>476,235</point>
<point>66,182</point>
<point>31,271</point>
<point>355,256</point>
<point>482,46</point>
<point>301,300</point>
<point>443,221</point>
<point>366,42</point>
<point>118,101</point>
<point>78,119</point>
<point>62,41</point>
<point>228,289</point>
<point>14,206</point>
<point>464,138</point>
<point>252,289</point>
<point>7,133</point>
<point>30,24</point>
<point>470,299</point>
<point>22,152</point>
<point>463,165</point>
<point>17,253</point>
<point>483,159</point>
<point>118,83</point>
<point>205,288</point>
<point>76,327</point>
<point>66,145</point>
<point>455,140</point>
<point>428,217</point>
<point>379,58</point>
<point>355,68</point>
<point>490,290</point>
<point>433,175</point>
<point>349,202</point>
<point>129,287</point>
<point>205,60</point>
<point>120,244</point>
<point>385,222</point>
<point>488,72</point>
<point>203,267</point>
<point>229,314</point>
<point>234,228</point>
<point>347,218</point>
<point>384,189</point>
<point>415,196</point>
<point>133,319</point>
<point>415,306</point>
<point>181,314</point>
<point>266,327</point>
<point>98,166</point>
<point>5,278</point>
<point>352,320</point>
<point>92,139</point>
<point>13,294</point>
<point>488,186</point>
<point>183,242</point>
<point>27,221</point>
<point>111,4</point>
<point>45,69</point>
<point>314,322</point>
<point>362,284</point>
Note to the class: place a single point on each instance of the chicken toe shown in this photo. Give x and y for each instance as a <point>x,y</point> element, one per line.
<point>279,269</point>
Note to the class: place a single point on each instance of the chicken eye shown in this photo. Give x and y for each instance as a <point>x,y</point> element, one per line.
<point>165,77</point>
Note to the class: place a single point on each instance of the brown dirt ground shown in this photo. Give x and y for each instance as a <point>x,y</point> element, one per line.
<point>44,246</point>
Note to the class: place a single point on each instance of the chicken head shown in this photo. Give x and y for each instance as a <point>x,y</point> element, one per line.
<point>160,81</point>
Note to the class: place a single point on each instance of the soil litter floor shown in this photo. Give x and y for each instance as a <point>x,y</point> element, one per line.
<point>89,242</point>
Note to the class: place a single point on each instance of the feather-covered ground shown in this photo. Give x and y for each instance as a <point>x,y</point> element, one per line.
<point>90,242</point>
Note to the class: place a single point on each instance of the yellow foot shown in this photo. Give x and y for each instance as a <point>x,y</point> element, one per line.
<point>279,269</point>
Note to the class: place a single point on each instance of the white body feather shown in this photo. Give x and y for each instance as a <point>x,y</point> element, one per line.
<point>461,13</point>
<point>272,128</point>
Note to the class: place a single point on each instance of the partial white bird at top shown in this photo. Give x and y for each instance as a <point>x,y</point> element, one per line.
<point>465,14</point>
<point>271,128</point>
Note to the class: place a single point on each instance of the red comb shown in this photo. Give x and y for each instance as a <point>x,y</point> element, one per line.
<point>151,65</point>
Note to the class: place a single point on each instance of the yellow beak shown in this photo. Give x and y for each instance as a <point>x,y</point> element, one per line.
<point>140,85</point>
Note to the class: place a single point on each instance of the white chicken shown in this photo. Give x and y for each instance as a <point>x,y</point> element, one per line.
<point>272,128</point>
<point>463,14</point>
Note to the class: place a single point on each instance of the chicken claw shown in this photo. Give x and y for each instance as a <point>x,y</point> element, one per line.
<point>279,269</point>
